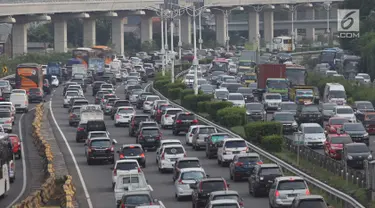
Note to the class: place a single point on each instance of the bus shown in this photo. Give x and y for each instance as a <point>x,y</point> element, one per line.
<point>84,54</point>
<point>281,44</point>
<point>29,75</point>
<point>219,64</point>
<point>296,74</point>
<point>7,162</point>
<point>104,52</point>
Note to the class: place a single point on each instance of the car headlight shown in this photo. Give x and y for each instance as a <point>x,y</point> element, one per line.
<point>261,178</point>
<point>365,134</point>
<point>350,157</point>
<point>369,157</point>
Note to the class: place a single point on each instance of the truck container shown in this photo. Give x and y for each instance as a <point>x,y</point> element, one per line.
<point>266,71</point>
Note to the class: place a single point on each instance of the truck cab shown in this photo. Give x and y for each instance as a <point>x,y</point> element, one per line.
<point>278,85</point>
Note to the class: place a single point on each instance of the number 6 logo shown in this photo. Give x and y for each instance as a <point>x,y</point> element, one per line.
<point>347,18</point>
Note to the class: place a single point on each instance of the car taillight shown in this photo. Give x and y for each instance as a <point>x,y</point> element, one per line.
<point>142,155</point>
<point>191,135</point>
<point>260,162</point>
<point>80,129</point>
<point>185,154</point>
<point>241,204</point>
<point>26,102</point>
<point>89,149</point>
<point>163,156</point>
<point>166,116</point>
<point>123,206</point>
<point>102,99</point>
<point>8,121</point>
<point>115,172</point>
<point>180,181</point>
<point>112,149</point>
<point>28,93</point>
<point>159,111</point>
<point>195,121</point>
<point>307,192</point>
<point>179,121</point>
<point>117,116</point>
<point>122,156</point>
<point>239,164</point>
<point>277,193</point>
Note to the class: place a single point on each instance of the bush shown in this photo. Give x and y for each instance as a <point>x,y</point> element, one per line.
<point>213,107</point>
<point>186,92</point>
<point>202,106</point>
<point>160,84</point>
<point>190,102</point>
<point>174,93</point>
<point>205,61</point>
<point>176,85</point>
<point>272,143</point>
<point>255,131</point>
<point>232,116</point>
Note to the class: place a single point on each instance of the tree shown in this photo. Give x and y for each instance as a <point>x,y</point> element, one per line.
<point>132,43</point>
<point>103,31</point>
<point>149,46</point>
<point>40,33</point>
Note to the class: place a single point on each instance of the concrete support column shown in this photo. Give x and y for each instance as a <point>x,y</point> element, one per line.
<point>268,26</point>
<point>118,34</point>
<point>89,32</point>
<point>253,22</point>
<point>60,36</point>
<point>146,28</point>
<point>19,39</point>
<point>221,28</point>
<point>186,29</point>
<point>310,32</point>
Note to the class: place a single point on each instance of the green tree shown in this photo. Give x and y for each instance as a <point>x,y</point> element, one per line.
<point>40,33</point>
<point>103,31</point>
<point>132,42</point>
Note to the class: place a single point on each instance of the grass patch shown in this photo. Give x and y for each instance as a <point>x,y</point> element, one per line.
<point>239,130</point>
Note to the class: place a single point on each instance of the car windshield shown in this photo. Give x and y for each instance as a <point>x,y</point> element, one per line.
<point>207,130</point>
<point>235,144</point>
<point>5,115</point>
<point>152,132</point>
<point>189,117</point>
<point>127,166</point>
<point>270,171</point>
<point>126,111</point>
<point>221,94</point>
<point>311,108</point>
<point>277,84</point>
<point>193,175</point>
<point>229,196</point>
<point>138,199</point>
<point>235,97</point>
<point>338,121</point>
<point>329,106</point>
<point>34,90</point>
<point>283,117</point>
<point>144,95</point>
<point>72,94</point>
<point>313,130</point>
<point>365,106</point>
<point>370,117</point>
<point>210,186</point>
<point>273,97</point>
<point>174,150</point>
<point>141,118</point>
<point>173,112</point>
<point>344,111</point>
<point>102,134</point>
<point>291,185</point>
<point>76,111</point>
<point>254,106</point>
<point>188,164</point>
<point>354,127</point>
<point>357,148</point>
<point>100,143</point>
<point>132,151</point>
<point>225,205</point>
<point>312,203</point>
<point>341,140</point>
<point>288,106</point>
<point>245,90</point>
<point>337,94</point>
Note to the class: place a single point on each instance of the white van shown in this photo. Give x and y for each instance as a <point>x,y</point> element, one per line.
<point>334,93</point>
<point>20,101</point>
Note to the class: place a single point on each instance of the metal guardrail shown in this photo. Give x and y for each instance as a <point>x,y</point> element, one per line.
<point>346,200</point>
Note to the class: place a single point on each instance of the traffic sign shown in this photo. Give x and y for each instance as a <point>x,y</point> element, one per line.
<point>5,69</point>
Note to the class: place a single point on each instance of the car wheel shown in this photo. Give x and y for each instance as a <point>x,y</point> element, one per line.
<point>218,161</point>
<point>89,162</point>
<point>116,125</point>
<point>255,192</point>
<point>77,140</point>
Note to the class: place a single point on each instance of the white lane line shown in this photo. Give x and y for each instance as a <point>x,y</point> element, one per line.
<point>73,158</point>
<point>161,204</point>
<point>23,156</point>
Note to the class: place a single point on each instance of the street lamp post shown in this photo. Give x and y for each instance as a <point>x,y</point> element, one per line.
<point>200,31</point>
<point>172,52</point>
<point>179,36</point>
<point>162,43</point>
<point>327,6</point>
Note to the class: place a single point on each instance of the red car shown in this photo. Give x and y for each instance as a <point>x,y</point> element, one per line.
<point>16,145</point>
<point>334,144</point>
<point>334,124</point>
<point>160,111</point>
<point>369,122</point>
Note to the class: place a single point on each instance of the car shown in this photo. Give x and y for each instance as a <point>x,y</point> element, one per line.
<point>369,122</point>
<point>136,198</point>
<point>100,148</point>
<point>16,145</point>
<point>207,89</point>
<point>334,145</point>
<point>135,121</point>
<point>35,94</point>
<point>212,140</point>
<point>228,194</point>
<point>74,115</point>
<point>76,87</point>
<point>362,107</point>
<point>186,162</point>
<point>237,99</point>
<point>133,151</point>
<point>184,178</point>
<point>223,203</point>
<point>160,111</point>
<point>81,81</point>
<point>183,121</point>
<point>99,95</point>
<point>96,87</point>
<point>80,132</point>
<point>106,86</point>
<point>77,102</point>
<point>105,99</point>
<point>55,81</point>
<point>287,120</point>
<point>189,135</point>
<point>108,105</point>
<point>285,189</point>
<point>119,103</point>
<point>255,111</point>
<point>149,137</point>
<point>334,125</point>
<point>165,142</point>
<point>96,134</point>
<point>11,107</point>
<point>199,135</point>
<point>354,154</point>
<point>68,96</point>
<point>302,201</point>
<point>169,155</point>
<point>357,132</point>
<point>168,118</point>
<point>344,112</point>
<point>309,114</point>
<point>67,84</point>
<point>221,94</point>
<point>122,166</point>
<point>327,110</point>
<point>242,165</point>
<point>22,91</point>
<point>155,105</point>
<point>46,86</point>
<point>288,107</point>
<point>149,100</point>
<point>233,145</point>
<point>19,102</point>
<point>133,95</point>
<point>262,177</point>
<point>313,135</point>
<point>6,120</point>
<point>130,87</point>
<point>203,188</point>
<point>123,115</point>
<point>141,99</point>
<point>143,124</point>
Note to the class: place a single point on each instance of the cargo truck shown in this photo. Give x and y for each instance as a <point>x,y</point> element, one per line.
<point>272,78</point>
<point>315,97</point>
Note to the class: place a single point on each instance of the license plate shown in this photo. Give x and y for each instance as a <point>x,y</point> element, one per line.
<point>173,159</point>
<point>17,105</point>
<point>236,152</point>
<point>150,140</point>
<point>292,195</point>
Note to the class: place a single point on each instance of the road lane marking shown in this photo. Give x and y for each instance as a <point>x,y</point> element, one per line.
<point>87,195</point>
<point>24,181</point>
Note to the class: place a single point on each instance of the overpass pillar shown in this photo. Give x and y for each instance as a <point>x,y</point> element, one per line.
<point>60,36</point>
<point>268,26</point>
<point>185,29</point>
<point>89,32</point>
<point>146,28</point>
<point>253,23</point>
<point>19,39</point>
<point>221,28</point>
<point>118,34</point>
<point>310,32</point>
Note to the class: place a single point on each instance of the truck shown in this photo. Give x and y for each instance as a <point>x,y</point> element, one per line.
<point>266,72</point>
<point>97,64</point>
<point>79,69</point>
<point>247,61</point>
<point>293,94</point>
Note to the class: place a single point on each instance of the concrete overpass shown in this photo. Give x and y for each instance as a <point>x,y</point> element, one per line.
<point>22,12</point>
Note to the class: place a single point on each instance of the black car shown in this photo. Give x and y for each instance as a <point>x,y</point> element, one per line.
<point>309,114</point>
<point>144,76</point>
<point>109,78</point>
<point>141,99</point>
<point>150,72</point>
<point>355,153</point>
<point>133,151</point>
<point>96,86</point>
<point>357,132</point>
<point>262,177</point>
<point>211,143</point>
<point>287,120</point>
<point>81,131</point>
<point>47,86</point>
<point>95,125</point>
<point>361,107</point>
<point>35,94</point>
<point>255,111</point>
<point>149,137</point>
<point>203,188</point>
<point>100,149</point>
<point>183,121</point>
<point>145,124</point>
<point>117,104</point>
<point>134,123</point>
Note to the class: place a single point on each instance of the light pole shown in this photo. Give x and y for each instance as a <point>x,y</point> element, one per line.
<point>179,36</point>
<point>162,42</point>
<point>327,6</point>
<point>200,31</point>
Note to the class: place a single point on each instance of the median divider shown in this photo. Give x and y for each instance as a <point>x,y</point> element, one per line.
<point>48,189</point>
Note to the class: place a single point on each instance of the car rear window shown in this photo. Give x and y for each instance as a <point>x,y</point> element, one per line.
<point>122,103</point>
<point>312,203</point>
<point>225,205</point>
<point>100,143</point>
<point>98,84</point>
<point>149,124</point>
<point>193,175</point>
<point>187,117</point>
<point>109,96</point>
<point>248,159</point>
<point>291,185</point>
<point>126,111</point>
<point>97,125</point>
<point>127,180</point>
<point>34,90</point>
<point>173,112</point>
<point>188,164</point>
<point>270,171</point>
<point>218,138</point>
<point>152,98</point>
<point>132,151</point>
<point>233,197</point>
<point>138,199</point>
<point>210,186</point>
<point>151,132</point>
<point>126,166</point>
<point>234,144</point>
<point>174,150</point>
<point>81,103</point>
<point>207,130</point>
<point>75,93</point>
<point>141,118</point>
<point>76,110</point>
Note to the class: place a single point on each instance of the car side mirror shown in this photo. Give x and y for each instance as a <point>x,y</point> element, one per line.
<point>207,176</point>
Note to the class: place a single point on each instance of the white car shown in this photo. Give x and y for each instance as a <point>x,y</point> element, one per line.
<point>312,135</point>
<point>124,115</point>
<point>366,77</point>
<point>118,75</point>
<point>190,133</point>
<point>22,91</point>
<point>344,112</point>
<point>169,155</point>
<point>223,203</point>
<point>68,96</point>
<point>147,104</point>
<point>167,118</point>
<point>221,94</point>
<point>237,99</point>
<point>271,101</point>
<point>164,142</point>
<point>77,87</point>
<point>232,69</point>
<point>123,167</point>
<point>106,87</point>
<point>189,79</point>
<point>155,104</point>
<point>186,177</point>
<point>130,181</point>
<point>55,82</point>
<point>228,148</point>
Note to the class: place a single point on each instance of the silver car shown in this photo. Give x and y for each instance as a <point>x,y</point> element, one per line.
<point>200,134</point>
<point>6,120</point>
<point>285,189</point>
<point>124,115</point>
<point>186,177</point>
<point>68,96</point>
